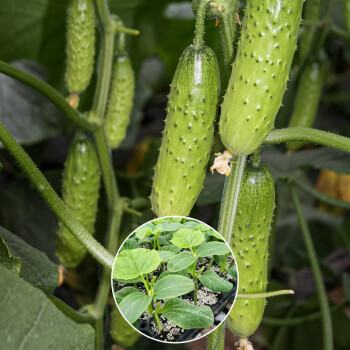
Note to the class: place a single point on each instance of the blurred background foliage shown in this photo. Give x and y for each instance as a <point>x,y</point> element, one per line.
<point>32,37</point>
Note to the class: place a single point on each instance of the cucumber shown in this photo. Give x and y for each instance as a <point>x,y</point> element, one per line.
<point>189,129</point>
<point>80,192</point>
<point>259,73</point>
<point>307,98</point>
<point>121,332</point>
<point>80,45</point>
<point>249,244</point>
<point>120,100</point>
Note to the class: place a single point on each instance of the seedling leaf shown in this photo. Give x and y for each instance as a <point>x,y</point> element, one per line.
<point>212,281</point>
<point>232,271</point>
<point>143,232</point>
<point>187,238</point>
<point>186,315</point>
<point>172,286</point>
<point>181,261</point>
<point>172,226</point>
<point>133,305</point>
<point>213,248</point>
<point>171,248</point>
<point>122,293</point>
<point>136,262</point>
<point>169,273</point>
<point>165,255</point>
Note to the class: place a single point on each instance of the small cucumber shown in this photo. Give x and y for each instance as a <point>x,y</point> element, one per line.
<point>189,129</point>
<point>249,241</point>
<point>121,332</point>
<point>307,98</point>
<point>80,45</point>
<point>120,100</point>
<point>80,192</point>
<point>259,74</point>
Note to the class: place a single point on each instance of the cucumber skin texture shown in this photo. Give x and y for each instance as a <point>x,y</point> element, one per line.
<point>311,12</point>
<point>307,98</point>
<point>249,244</point>
<point>80,45</point>
<point>188,134</point>
<point>80,192</point>
<point>121,332</point>
<point>259,74</point>
<point>120,100</point>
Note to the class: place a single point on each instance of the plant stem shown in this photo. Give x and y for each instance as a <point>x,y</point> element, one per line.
<point>276,321</point>
<point>98,325</point>
<point>255,157</point>
<point>316,270</point>
<point>321,196</point>
<point>227,34</point>
<point>199,30</point>
<point>265,295</point>
<point>210,263</point>
<point>230,199</point>
<point>145,284</point>
<point>315,136</point>
<point>158,322</point>
<point>54,202</point>
<point>195,280</point>
<point>69,312</point>
<point>216,339</point>
<point>48,91</point>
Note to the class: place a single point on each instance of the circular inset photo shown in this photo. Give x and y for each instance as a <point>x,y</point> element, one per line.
<point>174,279</point>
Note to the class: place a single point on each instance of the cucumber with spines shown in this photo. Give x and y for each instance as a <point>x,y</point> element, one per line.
<point>189,128</point>
<point>249,243</point>
<point>80,45</point>
<point>80,192</point>
<point>259,73</point>
<point>120,100</point>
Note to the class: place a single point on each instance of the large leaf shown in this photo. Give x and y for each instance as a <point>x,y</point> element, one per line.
<point>30,321</point>
<point>136,262</point>
<point>187,238</point>
<point>180,261</point>
<point>212,281</point>
<point>172,286</point>
<point>213,248</point>
<point>133,305</point>
<point>7,259</point>
<point>36,268</point>
<point>186,315</point>
<point>28,115</point>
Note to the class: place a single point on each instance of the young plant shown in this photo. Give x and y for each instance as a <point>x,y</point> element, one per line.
<point>193,240</point>
<point>141,263</point>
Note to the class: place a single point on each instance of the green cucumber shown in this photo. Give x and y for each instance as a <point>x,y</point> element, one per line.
<point>80,45</point>
<point>121,332</point>
<point>120,100</point>
<point>307,98</point>
<point>189,129</point>
<point>259,73</point>
<point>346,10</point>
<point>80,192</point>
<point>249,244</point>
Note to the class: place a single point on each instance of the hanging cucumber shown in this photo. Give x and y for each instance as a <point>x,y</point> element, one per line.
<point>80,45</point>
<point>307,97</point>
<point>121,332</point>
<point>121,96</point>
<point>189,128</point>
<point>249,242</point>
<point>80,191</point>
<point>259,74</point>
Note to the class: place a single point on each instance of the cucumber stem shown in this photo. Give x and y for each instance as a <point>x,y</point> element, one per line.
<point>121,42</point>
<point>255,158</point>
<point>199,29</point>
<point>158,322</point>
<point>195,290</point>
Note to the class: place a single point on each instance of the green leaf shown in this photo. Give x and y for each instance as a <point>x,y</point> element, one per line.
<point>203,227</point>
<point>165,255</point>
<point>214,234</point>
<point>131,244</point>
<point>169,273</point>
<point>212,281</point>
<point>213,248</point>
<point>232,271</point>
<point>143,232</point>
<point>181,261</point>
<point>122,293</point>
<point>187,238</point>
<point>186,315</point>
<point>172,286</point>
<point>171,248</point>
<point>31,321</point>
<point>36,268</point>
<point>172,226</point>
<point>7,259</point>
<point>136,262</point>
<point>133,305</point>
<point>133,280</point>
<point>190,224</point>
